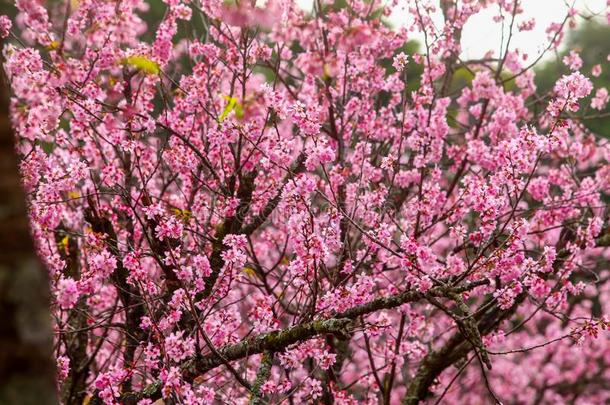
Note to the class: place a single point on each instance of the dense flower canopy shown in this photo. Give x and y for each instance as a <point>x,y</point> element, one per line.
<point>265,205</point>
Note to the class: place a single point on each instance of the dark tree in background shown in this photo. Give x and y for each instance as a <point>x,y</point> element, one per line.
<point>27,369</point>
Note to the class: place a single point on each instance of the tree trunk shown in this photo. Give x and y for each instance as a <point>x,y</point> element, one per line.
<point>27,369</point>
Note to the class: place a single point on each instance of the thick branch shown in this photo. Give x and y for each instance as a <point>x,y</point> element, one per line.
<point>264,371</point>
<point>279,340</point>
<point>397,300</point>
<point>267,342</point>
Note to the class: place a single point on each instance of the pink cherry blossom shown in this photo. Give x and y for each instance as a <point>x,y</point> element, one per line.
<point>5,26</point>
<point>253,203</point>
<point>67,293</point>
<point>572,61</point>
<point>601,98</point>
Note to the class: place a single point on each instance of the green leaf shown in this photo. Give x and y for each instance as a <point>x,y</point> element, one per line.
<point>232,104</point>
<point>144,64</point>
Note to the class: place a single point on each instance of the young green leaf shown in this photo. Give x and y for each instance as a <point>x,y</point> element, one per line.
<point>143,64</point>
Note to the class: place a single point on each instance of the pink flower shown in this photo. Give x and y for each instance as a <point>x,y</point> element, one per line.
<point>178,347</point>
<point>67,293</point>
<point>601,99</point>
<point>169,228</point>
<point>326,360</point>
<point>209,51</point>
<point>152,211</point>
<point>63,367</point>
<point>506,296</point>
<point>569,89</point>
<point>246,15</point>
<point>182,11</point>
<point>108,383</point>
<point>319,154</point>
<point>5,26</point>
<point>596,70</point>
<point>315,388</point>
<point>573,61</point>
<point>103,263</point>
<point>206,394</point>
<point>172,381</point>
<point>400,62</point>
<point>527,25</point>
<point>306,118</point>
<point>331,189</point>
<point>539,188</point>
<point>575,85</point>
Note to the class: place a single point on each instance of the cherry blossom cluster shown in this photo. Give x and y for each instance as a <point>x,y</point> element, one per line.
<point>248,202</point>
